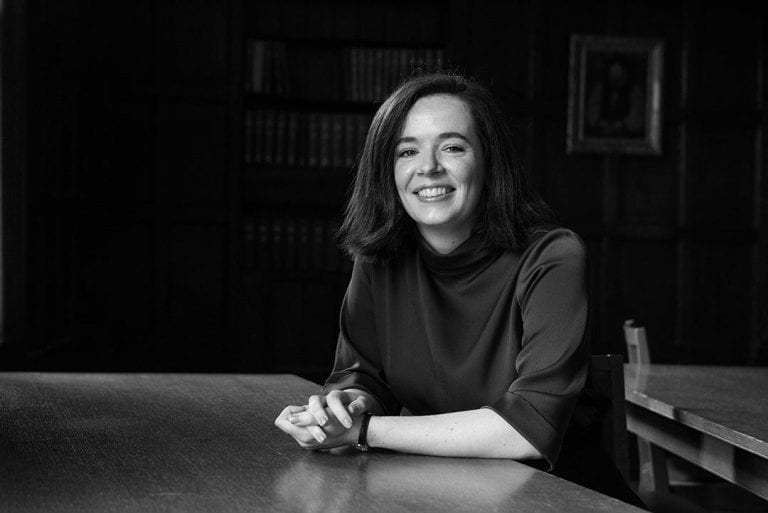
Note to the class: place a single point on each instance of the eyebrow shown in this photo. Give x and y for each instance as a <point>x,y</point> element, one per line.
<point>444,135</point>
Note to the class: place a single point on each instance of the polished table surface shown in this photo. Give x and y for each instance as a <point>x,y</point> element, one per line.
<point>175,442</point>
<point>713,416</point>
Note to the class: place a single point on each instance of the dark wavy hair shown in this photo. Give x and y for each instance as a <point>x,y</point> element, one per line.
<point>376,225</point>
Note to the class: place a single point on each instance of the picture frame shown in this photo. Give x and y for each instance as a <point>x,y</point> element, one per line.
<point>614,95</point>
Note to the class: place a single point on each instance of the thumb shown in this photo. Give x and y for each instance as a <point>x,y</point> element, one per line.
<point>359,405</point>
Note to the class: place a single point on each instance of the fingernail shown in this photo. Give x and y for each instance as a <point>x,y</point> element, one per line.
<point>320,437</point>
<point>347,423</point>
<point>353,409</point>
<point>322,421</point>
<point>293,419</point>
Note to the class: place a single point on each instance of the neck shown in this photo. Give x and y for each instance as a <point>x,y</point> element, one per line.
<point>444,241</point>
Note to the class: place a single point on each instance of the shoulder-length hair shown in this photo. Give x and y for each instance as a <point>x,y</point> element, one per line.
<point>376,225</point>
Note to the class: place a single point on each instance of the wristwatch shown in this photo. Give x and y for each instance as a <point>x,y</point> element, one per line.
<point>362,438</point>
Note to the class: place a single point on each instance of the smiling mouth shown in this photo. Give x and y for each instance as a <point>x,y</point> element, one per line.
<point>434,192</point>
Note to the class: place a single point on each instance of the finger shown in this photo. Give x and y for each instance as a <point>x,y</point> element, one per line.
<point>316,407</point>
<point>317,432</point>
<point>301,434</point>
<point>302,419</point>
<point>359,405</point>
<point>337,407</point>
<point>287,412</point>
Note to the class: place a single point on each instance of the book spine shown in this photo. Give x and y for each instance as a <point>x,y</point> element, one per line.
<point>325,140</point>
<point>268,78</point>
<point>338,159</point>
<point>318,235</point>
<point>259,136</point>
<point>303,140</point>
<point>313,154</point>
<point>289,256</point>
<point>292,147</point>
<point>378,74</point>
<point>269,137</point>
<point>303,249</point>
<point>281,127</point>
<point>277,245</point>
<point>406,63</point>
<point>281,70</point>
<point>357,74</point>
<point>248,139</point>
<point>332,260</point>
<point>370,63</point>
<point>439,60</point>
<point>249,63</point>
<point>263,246</point>
<point>348,144</point>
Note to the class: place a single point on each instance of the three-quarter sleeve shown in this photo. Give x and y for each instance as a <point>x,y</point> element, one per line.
<point>358,363</point>
<point>552,363</point>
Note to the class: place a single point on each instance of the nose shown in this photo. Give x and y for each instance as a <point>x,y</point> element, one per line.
<point>430,165</point>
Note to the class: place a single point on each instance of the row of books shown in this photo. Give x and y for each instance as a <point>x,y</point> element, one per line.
<point>304,139</point>
<point>293,244</point>
<point>358,74</point>
<point>267,67</point>
<point>370,74</point>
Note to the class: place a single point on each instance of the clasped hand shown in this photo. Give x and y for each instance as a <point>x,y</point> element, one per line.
<point>325,422</point>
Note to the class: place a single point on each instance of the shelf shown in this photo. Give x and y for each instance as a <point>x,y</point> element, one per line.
<point>256,100</point>
<point>319,43</point>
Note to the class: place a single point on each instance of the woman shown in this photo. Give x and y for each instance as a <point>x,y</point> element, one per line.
<point>463,329</point>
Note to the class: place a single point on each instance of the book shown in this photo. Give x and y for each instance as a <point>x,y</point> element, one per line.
<point>281,128</point>
<point>269,137</point>
<point>313,140</point>
<point>325,140</point>
<point>292,145</point>
<point>248,138</point>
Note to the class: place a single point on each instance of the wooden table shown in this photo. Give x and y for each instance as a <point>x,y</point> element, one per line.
<point>714,417</point>
<point>105,442</point>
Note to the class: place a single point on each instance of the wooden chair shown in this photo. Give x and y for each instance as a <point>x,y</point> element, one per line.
<point>608,382</point>
<point>653,485</point>
<point>652,459</point>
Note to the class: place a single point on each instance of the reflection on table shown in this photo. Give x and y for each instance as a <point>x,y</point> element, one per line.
<point>109,442</point>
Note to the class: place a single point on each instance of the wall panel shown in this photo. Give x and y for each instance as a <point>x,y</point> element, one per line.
<point>721,279</point>
<point>722,179</point>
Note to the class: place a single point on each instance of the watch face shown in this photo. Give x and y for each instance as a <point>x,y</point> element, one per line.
<point>361,447</point>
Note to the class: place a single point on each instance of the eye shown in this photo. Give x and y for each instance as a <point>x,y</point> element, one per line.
<point>454,148</point>
<point>408,152</point>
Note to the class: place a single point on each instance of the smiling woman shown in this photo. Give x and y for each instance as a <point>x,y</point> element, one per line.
<point>463,331</point>
<point>439,170</point>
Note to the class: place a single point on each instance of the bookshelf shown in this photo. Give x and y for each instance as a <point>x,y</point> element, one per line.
<point>309,92</point>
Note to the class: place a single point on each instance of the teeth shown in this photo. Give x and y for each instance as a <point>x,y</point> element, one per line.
<point>432,192</point>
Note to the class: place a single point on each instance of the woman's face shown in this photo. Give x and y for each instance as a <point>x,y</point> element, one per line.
<point>439,170</point>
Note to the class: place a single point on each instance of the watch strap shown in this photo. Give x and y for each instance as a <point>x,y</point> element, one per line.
<point>362,438</point>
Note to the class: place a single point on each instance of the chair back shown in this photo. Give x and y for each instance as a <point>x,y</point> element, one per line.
<point>608,383</point>
<point>637,343</point>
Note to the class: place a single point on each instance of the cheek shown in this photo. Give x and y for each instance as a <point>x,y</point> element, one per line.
<point>401,180</point>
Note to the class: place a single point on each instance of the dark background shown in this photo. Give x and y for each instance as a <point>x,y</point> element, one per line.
<point>126,200</point>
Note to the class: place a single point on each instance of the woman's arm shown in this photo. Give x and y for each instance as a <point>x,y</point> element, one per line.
<point>480,433</point>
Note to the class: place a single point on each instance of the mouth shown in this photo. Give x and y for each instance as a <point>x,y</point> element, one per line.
<point>433,191</point>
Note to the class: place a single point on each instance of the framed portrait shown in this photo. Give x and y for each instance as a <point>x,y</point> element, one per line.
<point>614,95</point>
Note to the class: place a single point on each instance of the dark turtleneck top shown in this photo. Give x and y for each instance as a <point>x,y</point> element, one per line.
<point>474,328</point>
<point>428,333</point>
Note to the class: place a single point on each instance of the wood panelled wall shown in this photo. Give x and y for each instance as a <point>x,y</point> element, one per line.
<point>677,241</point>
<point>122,222</point>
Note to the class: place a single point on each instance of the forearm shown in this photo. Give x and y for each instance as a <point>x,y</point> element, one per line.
<point>478,433</point>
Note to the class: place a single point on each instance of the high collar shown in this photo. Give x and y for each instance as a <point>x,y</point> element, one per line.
<point>465,257</point>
